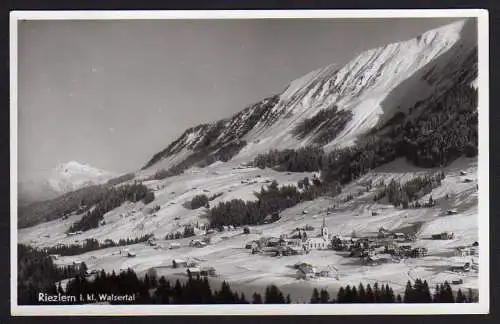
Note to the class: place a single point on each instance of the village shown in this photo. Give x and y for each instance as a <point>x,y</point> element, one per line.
<point>372,249</point>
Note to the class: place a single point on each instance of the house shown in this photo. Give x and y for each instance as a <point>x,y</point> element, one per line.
<point>325,273</point>
<point>462,251</point>
<point>175,245</point>
<point>131,254</point>
<point>419,252</point>
<point>208,271</point>
<point>443,236</point>
<point>197,243</point>
<point>383,233</point>
<point>306,271</point>
<point>193,271</point>
<point>178,263</point>
<point>273,241</point>
<point>399,236</point>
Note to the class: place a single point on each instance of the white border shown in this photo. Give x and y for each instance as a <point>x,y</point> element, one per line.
<point>292,309</point>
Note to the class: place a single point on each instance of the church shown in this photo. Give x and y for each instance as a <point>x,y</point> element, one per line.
<point>321,242</point>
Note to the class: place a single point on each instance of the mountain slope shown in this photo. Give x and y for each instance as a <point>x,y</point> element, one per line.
<point>368,91</point>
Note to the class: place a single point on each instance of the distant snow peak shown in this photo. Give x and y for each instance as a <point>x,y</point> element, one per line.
<point>73,175</point>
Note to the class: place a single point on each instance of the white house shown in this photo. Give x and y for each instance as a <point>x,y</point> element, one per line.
<point>319,243</point>
<point>175,245</point>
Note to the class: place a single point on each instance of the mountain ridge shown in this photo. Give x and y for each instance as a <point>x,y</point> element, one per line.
<point>363,86</point>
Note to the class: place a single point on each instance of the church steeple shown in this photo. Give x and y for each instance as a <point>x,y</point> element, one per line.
<point>324,229</point>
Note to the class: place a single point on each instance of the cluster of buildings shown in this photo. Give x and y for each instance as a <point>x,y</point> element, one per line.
<point>308,271</point>
<point>193,268</point>
<point>443,236</point>
<point>296,243</point>
<point>463,251</point>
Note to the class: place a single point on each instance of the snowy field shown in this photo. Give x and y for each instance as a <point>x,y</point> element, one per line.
<point>249,273</point>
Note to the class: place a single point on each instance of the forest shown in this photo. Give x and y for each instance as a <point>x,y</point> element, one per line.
<point>324,126</point>
<point>112,198</point>
<point>304,159</point>
<point>92,244</point>
<point>270,201</point>
<point>403,195</point>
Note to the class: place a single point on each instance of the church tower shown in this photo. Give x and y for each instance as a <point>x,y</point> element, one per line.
<point>324,230</point>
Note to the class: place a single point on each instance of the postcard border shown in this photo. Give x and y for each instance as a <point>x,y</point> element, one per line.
<point>294,309</point>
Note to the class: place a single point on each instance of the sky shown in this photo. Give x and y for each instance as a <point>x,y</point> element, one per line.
<point>113,93</point>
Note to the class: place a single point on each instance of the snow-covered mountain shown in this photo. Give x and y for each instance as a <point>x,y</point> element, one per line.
<point>367,92</point>
<point>72,175</point>
<point>64,178</point>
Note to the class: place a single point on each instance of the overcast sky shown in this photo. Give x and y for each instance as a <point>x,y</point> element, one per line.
<point>113,93</point>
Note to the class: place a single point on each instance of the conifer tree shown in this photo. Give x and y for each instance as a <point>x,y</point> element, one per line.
<point>376,293</point>
<point>341,297</point>
<point>361,293</point>
<point>324,296</point>
<point>409,293</point>
<point>315,298</point>
<point>460,297</point>
<point>370,298</point>
<point>256,298</point>
<point>447,294</point>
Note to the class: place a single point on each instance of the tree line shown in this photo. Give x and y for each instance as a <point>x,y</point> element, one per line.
<point>324,126</point>
<point>304,159</point>
<point>270,202</point>
<point>112,198</point>
<point>92,244</point>
<point>404,194</point>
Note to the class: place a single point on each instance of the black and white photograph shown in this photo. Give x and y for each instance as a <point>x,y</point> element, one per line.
<point>249,162</point>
